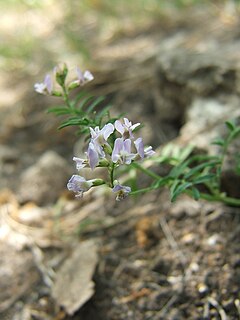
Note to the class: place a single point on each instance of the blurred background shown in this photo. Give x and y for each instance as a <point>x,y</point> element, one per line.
<point>172,65</point>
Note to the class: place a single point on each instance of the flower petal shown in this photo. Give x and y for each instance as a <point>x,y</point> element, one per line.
<point>119,127</point>
<point>140,147</point>
<point>118,145</point>
<point>93,157</point>
<point>107,130</point>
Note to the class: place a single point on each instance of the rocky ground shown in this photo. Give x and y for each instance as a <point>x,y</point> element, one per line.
<point>143,258</point>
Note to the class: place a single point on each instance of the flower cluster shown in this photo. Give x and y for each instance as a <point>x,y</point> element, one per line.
<point>109,147</point>
<point>48,87</point>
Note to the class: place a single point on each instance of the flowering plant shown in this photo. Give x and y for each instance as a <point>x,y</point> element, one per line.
<point>112,145</point>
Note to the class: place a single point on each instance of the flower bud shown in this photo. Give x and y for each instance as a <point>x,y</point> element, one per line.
<point>103,163</point>
<point>97,182</point>
<point>107,149</point>
<point>56,93</point>
<point>61,72</point>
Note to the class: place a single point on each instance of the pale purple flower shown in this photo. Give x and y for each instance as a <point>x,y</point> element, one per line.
<point>121,191</point>
<point>80,163</point>
<point>140,147</point>
<point>79,185</point>
<point>122,151</point>
<point>143,152</point>
<point>46,86</point>
<point>98,142</point>
<point>92,155</point>
<point>85,77</point>
<point>100,136</point>
<point>148,152</point>
<point>126,128</point>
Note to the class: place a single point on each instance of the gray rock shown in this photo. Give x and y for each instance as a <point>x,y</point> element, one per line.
<point>43,182</point>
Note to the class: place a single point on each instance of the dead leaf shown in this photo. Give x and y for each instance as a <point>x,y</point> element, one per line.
<point>73,285</point>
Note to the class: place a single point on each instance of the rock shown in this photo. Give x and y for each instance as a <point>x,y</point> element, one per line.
<point>43,182</point>
<point>205,118</point>
<point>184,75</point>
<point>73,285</point>
<point>18,275</point>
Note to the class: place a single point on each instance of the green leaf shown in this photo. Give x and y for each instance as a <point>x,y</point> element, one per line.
<point>196,194</point>
<point>218,142</point>
<point>230,125</point>
<point>178,170</point>
<point>84,102</point>
<point>180,189</point>
<point>181,168</point>
<point>74,122</point>
<point>59,110</point>
<point>103,112</point>
<point>94,104</point>
<point>205,178</point>
<point>79,96</point>
<point>185,152</point>
<point>236,133</point>
<point>199,167</point>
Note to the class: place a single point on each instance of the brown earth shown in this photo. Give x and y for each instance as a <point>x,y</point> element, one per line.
<point>155,259</point>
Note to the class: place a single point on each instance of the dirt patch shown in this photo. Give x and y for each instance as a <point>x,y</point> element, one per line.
<point>156,260</point>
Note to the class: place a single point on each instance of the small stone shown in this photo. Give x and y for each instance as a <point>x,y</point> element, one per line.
<point>202,288</point>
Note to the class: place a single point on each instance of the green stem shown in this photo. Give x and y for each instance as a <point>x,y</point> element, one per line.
<point>144,190</point>
<point>219,198</point>
<point>66,97</point>
<point>146,171</point>
<point>111,174</point>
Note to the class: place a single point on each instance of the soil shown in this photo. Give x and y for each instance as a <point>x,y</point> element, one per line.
<point>156,259</point>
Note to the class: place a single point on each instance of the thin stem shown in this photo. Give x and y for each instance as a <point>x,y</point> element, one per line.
<point>111,174</point>
<point>144,190</point>
<point>66,97</point>
<point>219,198</point>
<point>146,171</point>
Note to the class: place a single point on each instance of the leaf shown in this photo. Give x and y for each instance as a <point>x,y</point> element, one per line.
<point>103,112</point>
<point>59,110</point>
<point>195,193</point>
<point>74,122</point>
<point>181,168</point>
<point>199,167</point>
<point>83,102</point>
<point>218,142</point>
<point>236,133</point>
<point>95,103</point>
<point>178,170</point>
<point>78,98</point>
<point>174,186</point>
<point>185,152</point>
<point>230,125</point>
<point>180,189</point>
<point>73,285</point>
<point>205,178</point>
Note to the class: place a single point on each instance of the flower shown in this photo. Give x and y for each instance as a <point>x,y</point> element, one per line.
<point>140,147</point>
<point>100,136</point>
<point>122,151</point>
<point>79,185</point>
<point>46,86</point>
<point>83,78</point>
<point>143,152</point>
<point>60,72</point>
<point>122,191</point>
<point>148,151</point>
<point>126,128</point>
<point>93,155</point>
<point>80,163</point>
<point>98,144</point>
